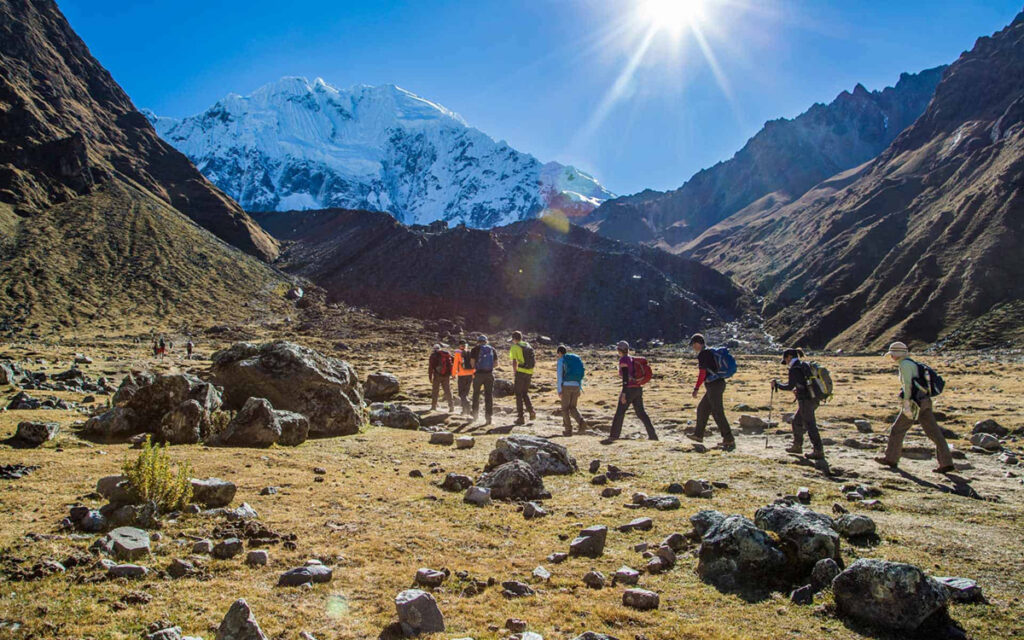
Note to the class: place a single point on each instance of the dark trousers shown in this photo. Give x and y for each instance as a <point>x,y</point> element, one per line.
<point>483,381</point>
<point>570,398</point>
<point>465,386</point>
<point>441,382</point>
<point>712,404</point>
<point>804,420</point>
<point>634,397</point>
<point>522,390</point>
<point>926,418</point>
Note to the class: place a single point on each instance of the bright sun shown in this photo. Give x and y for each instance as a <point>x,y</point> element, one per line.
<point>672,16</point>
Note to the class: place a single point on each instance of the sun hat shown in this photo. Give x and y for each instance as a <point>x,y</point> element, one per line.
<point>623,345</point>
<point>897,349</point>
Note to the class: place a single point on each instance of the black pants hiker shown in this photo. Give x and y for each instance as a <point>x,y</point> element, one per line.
<point>522,391</point>
<point>804,420</point>
<point>483,381</point>
<point>465,386</point>
<point>712,404</point>
<point>634,397</point>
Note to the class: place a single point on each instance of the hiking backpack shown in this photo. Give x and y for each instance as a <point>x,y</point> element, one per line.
<point>529,357</point>
<point>640,371</point>
<point>929,380</point>
<point>819,381</point>
<point>444,363</point>
<point>572,368</point>
<point>485,358</point>
<point>726,364</point>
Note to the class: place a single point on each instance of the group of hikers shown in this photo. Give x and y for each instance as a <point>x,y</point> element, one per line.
<point>162,347</point>
<point>811,384</point>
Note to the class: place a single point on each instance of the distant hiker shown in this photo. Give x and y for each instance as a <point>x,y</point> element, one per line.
<point>570,372</point>
<point>799,382</point>
<point>712,374</point>
<point>918,385</point>
<point>523,361</point>
<point>163,348</point>
<point>463,371</point>
<point>483,357</point>
<point>156,348</point>
<point>188,349</point>
<point>439,371</point>
<point>635,373</point>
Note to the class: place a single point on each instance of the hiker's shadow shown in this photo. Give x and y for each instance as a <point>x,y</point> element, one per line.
<point>961,487</point>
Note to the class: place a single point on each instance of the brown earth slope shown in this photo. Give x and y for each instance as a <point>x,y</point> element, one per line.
<point>66,126</point>
<point>781,162</point>
<point>557,279</point>
<point>921,244</point>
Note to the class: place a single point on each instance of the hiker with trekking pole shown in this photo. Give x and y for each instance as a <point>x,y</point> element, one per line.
<point>802,380</point>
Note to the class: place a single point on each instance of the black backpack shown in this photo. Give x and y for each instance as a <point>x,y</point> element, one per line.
<point>930,380</point>
<point>529,357</point>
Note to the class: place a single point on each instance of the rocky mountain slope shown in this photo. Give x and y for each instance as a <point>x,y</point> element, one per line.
<point>99,218</point>
<point>563,281</point>
<point>66,126</point>
<point>293,145</point>
<point>922,243</point>
<point>779,164</point>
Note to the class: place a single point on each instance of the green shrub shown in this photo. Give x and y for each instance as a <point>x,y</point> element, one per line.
<point>219,421</point>
<point>152,478</point>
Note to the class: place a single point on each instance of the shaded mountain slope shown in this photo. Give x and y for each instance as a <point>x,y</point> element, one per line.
<point>66,127</point>
<point>921,244</point>
<point>781,162</point>
<point>560,280</point>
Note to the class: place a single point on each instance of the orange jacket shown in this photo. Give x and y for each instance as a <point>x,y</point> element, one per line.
<point>457,369</point>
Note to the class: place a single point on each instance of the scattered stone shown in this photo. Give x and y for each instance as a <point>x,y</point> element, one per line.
<point>589,543</point>
<point>891,595</point>
<point>592,635</point>
<point>640,599</point>
<point>803,495</point>
<point>595,466</point>
<point>126,543</point>
<point>513,480</point>
<point>962,590</point>
<point>213,492</point>
<point>227,549</point>
<point>697,489</point>
<point>675,488</point>
<point>824,572</point>
<point>415,473</point>
<point>202,547</point>
<point>180,568</point>
<point>446,438</point>
<point>309,574</point>
<point>381,386</point>
<point>752,425</point>
<point>611,492</point>
<point>395,416</point>
<point>33,434</point>
<point>986,441</point>
<point>863,426</point>
<point>240,624</point>
<point>257,558</point>
<point>543,455</point>
<point>558,557</point>
<point>294,428</point>
<point>703,521</point>
<point>465,442</point>
<point>127,571</point>
<point>456,482</point>
<point>735,554</point>
<point>430,578</point>
<point>662,503</point>
<point>803,595</point>
<point>855,526</point>
<point>594,579</point>
<point>541,573</point>
<point>269,491</point>
<point>626,575</point>
<point>479,496</point>
<point>533,510</point>
<point>638,524</point>
<point>515,589</point>
<point>599,479</point>
<point>515,625</point>
<point>990,427</point>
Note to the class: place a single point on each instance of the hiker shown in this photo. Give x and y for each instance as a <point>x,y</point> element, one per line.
<point>712,404</point>
<point>635,374</point>
<point>439,371</point>
<point>163,347</point>
<point>569,379</point>
<point>916,392</point>
<point>483,358</point>
<point>807,403</point>
<point>463,373</point>
<point>156,348</point>
<point>523,361</point>
<point>188,349</point>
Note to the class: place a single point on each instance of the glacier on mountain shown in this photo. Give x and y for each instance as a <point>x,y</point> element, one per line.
<point>294,145</point>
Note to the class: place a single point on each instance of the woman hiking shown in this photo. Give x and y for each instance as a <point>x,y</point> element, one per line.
<point>798,382</point>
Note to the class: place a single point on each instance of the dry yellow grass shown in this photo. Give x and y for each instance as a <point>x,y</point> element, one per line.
<point>377,526</point>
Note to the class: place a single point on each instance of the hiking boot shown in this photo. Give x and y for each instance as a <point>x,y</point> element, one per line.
<point>519,422</point>
<point>729,446</point>
<point>567,432</point>
<point>947,469</point>
<point>886,463</point>
<point>653,438</point>
<point>487,423</point>
<point>795,450</point>
<point>695,438</point>
<point>817,454</point>
<point>533,416</point>
<point>609,440</point>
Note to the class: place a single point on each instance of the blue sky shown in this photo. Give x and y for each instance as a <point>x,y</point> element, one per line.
<point>561,79</point>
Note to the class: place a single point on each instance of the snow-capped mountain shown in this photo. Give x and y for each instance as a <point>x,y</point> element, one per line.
<point>295,145</point>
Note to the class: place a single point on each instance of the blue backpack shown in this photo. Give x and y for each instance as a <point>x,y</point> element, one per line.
<point>726,364</point>
<point>485,359</point>
<point>572,368</point>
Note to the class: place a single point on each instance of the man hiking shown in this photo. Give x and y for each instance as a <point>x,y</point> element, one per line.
<point>915,393</point>
<point>632,394</point>
<point>189,347</point>
<point>523,361</point>
<point>483,358</point>
<point>463,373</point>
<point>712,404</point>
<point>569,378</point>
<point>439,372</point>
<point>798,381</point>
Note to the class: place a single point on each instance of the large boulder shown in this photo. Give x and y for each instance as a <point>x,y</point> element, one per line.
<point>293,378</point>
<point>806,536</point>
<point>513,480</point>
<point>240,624</point>
<point>736,555</point>
<point>381,386</point>
<point>889,595</point>
<point>546,457</point>
<point>184,424</point>
<point>6,373</point>
<point>175,408</point>
<point>256,425</point>
<point>117,424</point>
<point>33,434</point>
<point>395,416</point>
<point>294,428</point>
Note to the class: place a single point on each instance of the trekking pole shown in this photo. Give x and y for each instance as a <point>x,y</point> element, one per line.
<point>771,405</point>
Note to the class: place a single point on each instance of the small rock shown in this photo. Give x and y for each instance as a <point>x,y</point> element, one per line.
<point>465,442</point>
<point>180,568</point>
<point>697,489</point>
<point>638,524</point>
<point>533,510</point>
<point>515,589</point>
<point>611,492</point>
<point>803,596</point>
<point>430,578</point>
<point>803,495</point>
<point>227,549</point>
<point>824,572</point>
<point>595,465</point>
<point>202,547</point>
<point>986,441</point>
<point>446,438</point>
<point>541,573</point>
<point>855,526</point>
<point>479,496</point>
<point>127,571</point>
<point>257,558</point>
<point>309,574</point>
<point>863,426</point>
<point>594,579</point>
<point>627,575</point>
<point>640,599</point>
<point>240,624</point>
<point>962,590</point>
<point>590,542</point>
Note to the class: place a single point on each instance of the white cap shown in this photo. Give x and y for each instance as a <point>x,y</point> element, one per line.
<point>897,349</point>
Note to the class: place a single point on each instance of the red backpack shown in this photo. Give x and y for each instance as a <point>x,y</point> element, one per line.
<point>640,372</point>
<point>444,363</point>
